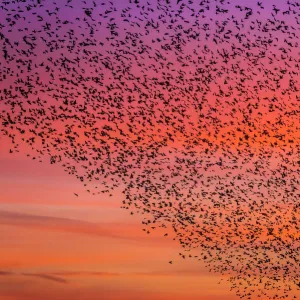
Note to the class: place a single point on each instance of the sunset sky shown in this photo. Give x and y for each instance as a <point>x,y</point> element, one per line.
<point>55,245</point>
<point>188,109</point>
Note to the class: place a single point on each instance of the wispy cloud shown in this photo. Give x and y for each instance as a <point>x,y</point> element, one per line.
<point>47,277</point>
<point>60,277</point>
<point>4,273</point>
<point>186,273</point>
<point>69,225</point>
<point>86,273</point>
<point>37,275</point>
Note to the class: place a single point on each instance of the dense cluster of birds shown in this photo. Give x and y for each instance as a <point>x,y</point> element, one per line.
<point>191,108</point>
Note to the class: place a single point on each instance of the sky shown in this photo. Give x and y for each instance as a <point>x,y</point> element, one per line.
<point>82,247</point>
<point>60,242</point>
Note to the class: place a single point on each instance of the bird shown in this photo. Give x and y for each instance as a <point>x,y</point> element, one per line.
<point>189,108</point>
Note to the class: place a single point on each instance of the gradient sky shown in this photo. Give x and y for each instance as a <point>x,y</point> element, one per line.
<point>55,245</point>
<point>84,248</point>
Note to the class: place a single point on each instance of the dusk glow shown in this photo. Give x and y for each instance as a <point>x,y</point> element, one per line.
<point>149,149</point>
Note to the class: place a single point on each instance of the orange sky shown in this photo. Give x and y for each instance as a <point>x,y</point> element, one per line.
<point>55,245</point>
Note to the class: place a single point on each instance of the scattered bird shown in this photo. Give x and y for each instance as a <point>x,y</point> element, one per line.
<point>191,108</point>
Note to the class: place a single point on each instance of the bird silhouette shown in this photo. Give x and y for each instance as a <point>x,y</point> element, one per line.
<point>190,108</point>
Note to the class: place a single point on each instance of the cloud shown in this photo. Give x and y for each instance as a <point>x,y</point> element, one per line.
<point>4,273</point>
<point>64,277</point>
<point>185,273</point>
<point>46,276</point>
<point>85,273</point>
<point>39,275</point>
<point>68,225</point>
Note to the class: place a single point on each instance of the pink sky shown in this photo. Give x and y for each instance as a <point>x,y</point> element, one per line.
<point>55,245</point>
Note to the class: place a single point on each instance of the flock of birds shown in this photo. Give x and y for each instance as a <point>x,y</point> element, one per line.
<point>190,107</point>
